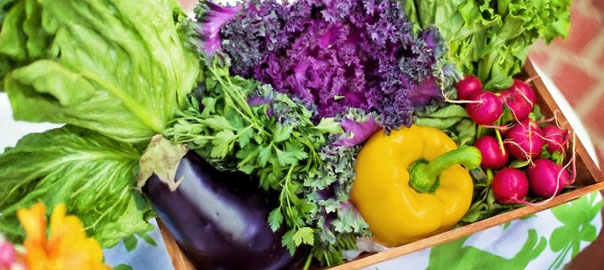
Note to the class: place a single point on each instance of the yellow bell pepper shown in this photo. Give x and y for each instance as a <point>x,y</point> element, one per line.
<point>409,184</point>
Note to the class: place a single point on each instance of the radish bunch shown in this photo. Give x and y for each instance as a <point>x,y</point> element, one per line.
<point>524,141</point>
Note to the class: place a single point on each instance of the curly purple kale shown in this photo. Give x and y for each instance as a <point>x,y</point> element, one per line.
<point>340,54</point>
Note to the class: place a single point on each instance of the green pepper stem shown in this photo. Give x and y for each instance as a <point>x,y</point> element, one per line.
<point>424,175</point>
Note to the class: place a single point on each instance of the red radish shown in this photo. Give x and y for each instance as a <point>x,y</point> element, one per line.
<point>487,108</point>
<point>468,87</point>
<point>524,140</point>
<point>524,90</point>
<point>510,186</point>
<point>555,138</point>
<point>492,155</point>
<point>518,105</point>
<point>547,178</point>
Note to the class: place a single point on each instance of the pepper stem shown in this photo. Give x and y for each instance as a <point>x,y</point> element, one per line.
<point>423,177</point>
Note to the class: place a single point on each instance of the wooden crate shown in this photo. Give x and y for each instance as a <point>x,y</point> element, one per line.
<point>589,179</point>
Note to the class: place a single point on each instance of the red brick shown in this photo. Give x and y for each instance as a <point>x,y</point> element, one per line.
<point>539,55</point>
<point>599,4</point>
<point>601,59</point>
<point>573,82</point>
<point>583,29</point>
<point>595,119</point>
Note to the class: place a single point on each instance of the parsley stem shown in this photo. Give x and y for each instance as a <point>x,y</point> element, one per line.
<point>285,193</point>
<point>234,96</point>
<point>307,263</point>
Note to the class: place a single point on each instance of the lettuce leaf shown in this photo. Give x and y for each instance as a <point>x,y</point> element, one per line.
<point>491,38</point>
<point>121,68</point>
<point>92,174</point>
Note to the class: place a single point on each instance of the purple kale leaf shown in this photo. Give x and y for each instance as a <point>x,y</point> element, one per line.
<point>340,54</point>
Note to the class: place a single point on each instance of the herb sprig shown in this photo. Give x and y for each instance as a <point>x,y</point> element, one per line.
<point>246,126</point>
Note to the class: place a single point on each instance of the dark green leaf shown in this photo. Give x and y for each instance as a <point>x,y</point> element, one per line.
<point>147,238</point>
<point>123,267</point>
<point>130,242</point>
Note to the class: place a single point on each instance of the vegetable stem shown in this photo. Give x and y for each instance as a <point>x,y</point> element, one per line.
<point>308,260</point>
<point>424,175</point>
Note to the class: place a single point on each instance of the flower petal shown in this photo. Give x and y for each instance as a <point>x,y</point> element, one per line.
<point>33,221</point>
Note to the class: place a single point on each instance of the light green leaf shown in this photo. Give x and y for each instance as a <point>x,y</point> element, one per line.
<point>285,158</point>
<point>264,155</point>
<point>329,125</point>
<point>93,175</point>
<point>209,105</point>
<point>287,241</point>
<point>491,39</point>
<point>519,164</point>
<point>117,67</point>
<point>223,143</point>
<point>282,133</point>
<point>275,219</point>
<point>217,122</point>
<point>304,235</point>
<point>245,137</point>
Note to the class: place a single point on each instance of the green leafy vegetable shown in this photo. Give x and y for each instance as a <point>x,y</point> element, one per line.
<point>246,126</point>
<point>92,174</point>
<point>536,115</point>
<point>491,38</point>
<point>338,220</point>
<point>121,68</point>
<point>453,120</point>
<point>484,204</point>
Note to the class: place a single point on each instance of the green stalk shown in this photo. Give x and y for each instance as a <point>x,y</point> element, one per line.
<point>424,175</point>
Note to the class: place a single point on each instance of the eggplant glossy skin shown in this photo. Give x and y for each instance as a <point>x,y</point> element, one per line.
<point>218,218</point>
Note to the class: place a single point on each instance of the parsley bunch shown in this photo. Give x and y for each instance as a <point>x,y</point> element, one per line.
<point>247,126</point>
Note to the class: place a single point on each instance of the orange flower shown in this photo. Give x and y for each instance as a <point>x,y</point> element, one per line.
<point>67,246</point>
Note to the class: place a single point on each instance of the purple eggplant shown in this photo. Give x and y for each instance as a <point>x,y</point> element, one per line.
<point>219,219</point>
